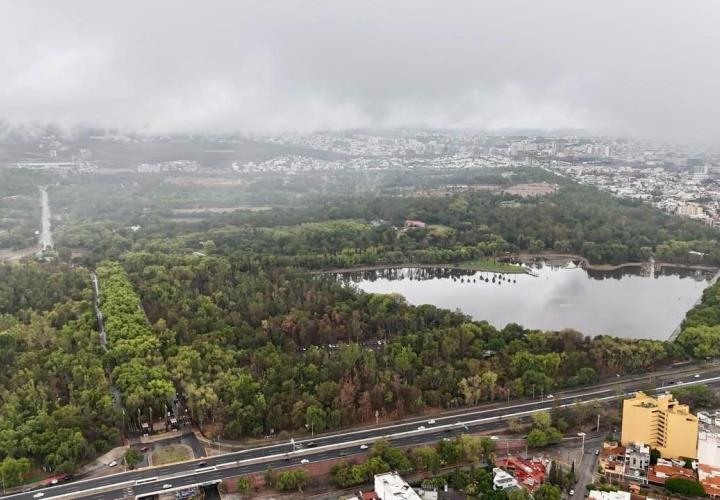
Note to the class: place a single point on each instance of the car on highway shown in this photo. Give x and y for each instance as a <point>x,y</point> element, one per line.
<point>697,375</point>
<point>431,422</point>
<point>421,428</point>
<point>113,463</point>
<point>304,461</point>
<point>363,447</point>
<point>202,464</point>
<point>39,495</point>
<point>312,444</point>
<point>287,457</point>
<point>549,396</point>
<point>167,485</point>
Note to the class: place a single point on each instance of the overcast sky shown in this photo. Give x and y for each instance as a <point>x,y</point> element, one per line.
<point>646,68</point>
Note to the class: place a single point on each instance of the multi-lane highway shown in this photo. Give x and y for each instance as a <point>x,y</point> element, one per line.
<point>411,432</point>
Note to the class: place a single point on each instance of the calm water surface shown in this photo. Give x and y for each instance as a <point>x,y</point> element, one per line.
<point>626,303</point>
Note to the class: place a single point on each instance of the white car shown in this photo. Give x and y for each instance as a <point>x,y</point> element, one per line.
<point>112,464</point>
<point>572,492</point>
<point>421,428</point>
<point>304,461</point>
<point>363,447</point>
<point>167,485</point>
<point>697,375</point>
<point>39,495</point>
<point>431,422</point>
<point>549,396</point>
<point>494,438</point>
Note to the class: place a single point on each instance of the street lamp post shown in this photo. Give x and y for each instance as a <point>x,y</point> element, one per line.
<point>582,435</point>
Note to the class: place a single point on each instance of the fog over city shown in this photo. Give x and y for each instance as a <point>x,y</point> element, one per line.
<point>642,68</point>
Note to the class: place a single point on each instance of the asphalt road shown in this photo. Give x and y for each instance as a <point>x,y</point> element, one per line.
<point>184,474</point>
<point>585,471</point>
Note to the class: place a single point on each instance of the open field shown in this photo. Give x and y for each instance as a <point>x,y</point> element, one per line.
<point>170,454</point>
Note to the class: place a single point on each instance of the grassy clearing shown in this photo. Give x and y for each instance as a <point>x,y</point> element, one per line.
<point>440,231</point>
<point>491,265</point>
<point>170,454</point>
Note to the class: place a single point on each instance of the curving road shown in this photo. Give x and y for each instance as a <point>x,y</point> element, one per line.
<point>407,433</point>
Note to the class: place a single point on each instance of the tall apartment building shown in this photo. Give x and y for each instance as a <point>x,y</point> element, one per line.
<point>660,423</point>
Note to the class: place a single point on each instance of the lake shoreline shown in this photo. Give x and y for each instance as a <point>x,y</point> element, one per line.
<point>524,260</point>
<point>459,267</point>
<point>529,258</point>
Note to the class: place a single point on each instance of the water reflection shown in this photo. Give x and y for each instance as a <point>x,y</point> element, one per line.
<point>630,302</point>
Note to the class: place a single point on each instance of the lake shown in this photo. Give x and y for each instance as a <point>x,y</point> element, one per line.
<point>629,303</point>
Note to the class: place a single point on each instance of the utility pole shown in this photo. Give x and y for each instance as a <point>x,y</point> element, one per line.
<point>377,417</point>
<point>582,435</point>
<point>597,429</point>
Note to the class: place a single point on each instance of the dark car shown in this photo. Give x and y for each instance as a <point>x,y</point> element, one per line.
<point>202,464</point>
<point>312,444</point>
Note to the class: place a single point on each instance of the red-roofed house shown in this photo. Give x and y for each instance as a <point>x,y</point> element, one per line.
<point>612,459</point>
<point>529,473</point>
<point>660,473</point>
<point>414,223</point>
<point>710,479</point>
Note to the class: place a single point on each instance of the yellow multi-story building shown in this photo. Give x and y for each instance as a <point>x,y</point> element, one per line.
<point>661,423</point>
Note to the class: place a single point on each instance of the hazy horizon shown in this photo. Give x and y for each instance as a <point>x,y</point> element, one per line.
<point>642,69</point>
